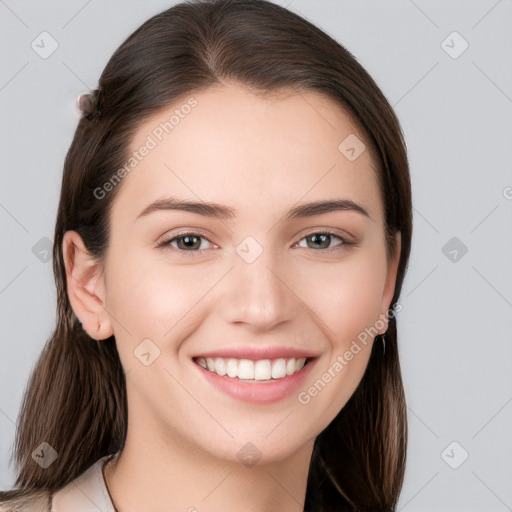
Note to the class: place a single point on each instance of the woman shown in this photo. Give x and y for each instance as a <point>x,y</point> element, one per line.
<point>232,236</point>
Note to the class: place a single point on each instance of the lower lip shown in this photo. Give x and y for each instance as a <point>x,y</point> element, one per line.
<point>265,392</point>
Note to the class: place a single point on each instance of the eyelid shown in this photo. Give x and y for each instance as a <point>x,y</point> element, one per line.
<point>344,242</point>
<point>168,238</point>
<point>340,233</point>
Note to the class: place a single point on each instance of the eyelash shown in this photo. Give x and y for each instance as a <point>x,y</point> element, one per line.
<point>193,253</point>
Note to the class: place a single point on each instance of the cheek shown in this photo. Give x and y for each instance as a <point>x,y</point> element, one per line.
<point>153,300</point>
<point>348,306</point>
<point>347,301</point>
<point>345,297</point>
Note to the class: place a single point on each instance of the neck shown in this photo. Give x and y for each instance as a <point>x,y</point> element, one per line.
<point>148,476</point>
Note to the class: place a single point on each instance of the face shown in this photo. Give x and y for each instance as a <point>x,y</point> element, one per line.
<point>252,283</point>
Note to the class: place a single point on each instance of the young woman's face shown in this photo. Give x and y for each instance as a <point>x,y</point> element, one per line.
<point>249,277</point>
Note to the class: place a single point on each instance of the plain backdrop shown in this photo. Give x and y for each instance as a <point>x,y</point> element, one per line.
<point>446,69</point>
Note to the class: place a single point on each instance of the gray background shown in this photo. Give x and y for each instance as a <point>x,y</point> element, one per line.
<point>456,112</point>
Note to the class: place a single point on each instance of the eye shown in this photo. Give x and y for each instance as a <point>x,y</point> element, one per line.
<point>322,240</point>
<point>188,242</point>
<point>192,242</point>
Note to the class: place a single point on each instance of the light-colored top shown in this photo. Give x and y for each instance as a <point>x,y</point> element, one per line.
<point>86,493</point>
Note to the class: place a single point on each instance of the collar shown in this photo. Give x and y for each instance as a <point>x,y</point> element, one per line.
<point>86,493</point>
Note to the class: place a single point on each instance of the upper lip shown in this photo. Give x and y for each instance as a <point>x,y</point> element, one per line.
<point>257,353</point>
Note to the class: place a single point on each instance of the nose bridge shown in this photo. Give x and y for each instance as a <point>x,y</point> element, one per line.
<point>257,292</point>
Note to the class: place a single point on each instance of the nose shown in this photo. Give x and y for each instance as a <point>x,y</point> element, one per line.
<point>259,294</point>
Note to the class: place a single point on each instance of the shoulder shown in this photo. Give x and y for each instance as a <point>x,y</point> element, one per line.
<point>35,501</point>
<point>86,493</point>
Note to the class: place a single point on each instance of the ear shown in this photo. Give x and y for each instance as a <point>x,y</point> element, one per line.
<point>86,287</point>
<point>389,286</point>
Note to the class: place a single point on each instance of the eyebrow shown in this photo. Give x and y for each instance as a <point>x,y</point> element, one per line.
<point>225,212</point>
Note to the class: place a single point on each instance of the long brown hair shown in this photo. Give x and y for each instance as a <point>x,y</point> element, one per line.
<point>76,397</point>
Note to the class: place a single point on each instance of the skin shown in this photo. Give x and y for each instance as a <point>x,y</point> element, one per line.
<point>261,156</point>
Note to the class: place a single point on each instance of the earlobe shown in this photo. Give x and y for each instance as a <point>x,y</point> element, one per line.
<point>86,287</point>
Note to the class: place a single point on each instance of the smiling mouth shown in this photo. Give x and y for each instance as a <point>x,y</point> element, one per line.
<point>248,370</point>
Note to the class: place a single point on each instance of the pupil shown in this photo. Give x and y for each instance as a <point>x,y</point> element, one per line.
<point>325,238</point>
<point>188,241</point>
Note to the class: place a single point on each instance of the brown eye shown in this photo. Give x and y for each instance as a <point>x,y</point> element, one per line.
<point>320,241</point>
<point>187,242</point>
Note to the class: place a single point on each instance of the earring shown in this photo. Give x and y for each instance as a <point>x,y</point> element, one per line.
<point>383,338</point>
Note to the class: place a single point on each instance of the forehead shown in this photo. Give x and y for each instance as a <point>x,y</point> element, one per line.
<point>253,152</point>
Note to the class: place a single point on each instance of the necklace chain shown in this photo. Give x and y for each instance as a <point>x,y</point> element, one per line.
<point>106,485</point>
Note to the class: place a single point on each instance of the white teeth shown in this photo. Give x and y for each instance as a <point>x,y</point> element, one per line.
<point>279,369</point>
<point>290,366</point>
<point>246,369</point>
<point>262,370</point>
<point>220,366</point>
<point>232,368</point>
<point>299,363</point>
